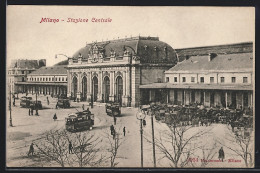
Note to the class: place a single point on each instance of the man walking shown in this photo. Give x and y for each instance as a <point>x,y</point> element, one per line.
<point>29,112</point>
<point>55,117</point>
<point>112,129</point>
<point>124,131</point>
<point>83,107</point>
<point>31,149</point>
<point>48,102</point>
<point>221,154</point>
<point>70,148</point>
<point>114,120</point>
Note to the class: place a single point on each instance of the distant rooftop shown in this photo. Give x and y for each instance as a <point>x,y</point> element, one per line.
<point>27,64</point>
<point>222,62</point>
<point>54,70</point>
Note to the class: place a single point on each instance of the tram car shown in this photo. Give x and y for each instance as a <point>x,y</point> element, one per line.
<point>25,101</point>
<point>79,121</point>
<point>113,109</point>
<point>36,105</point>
<point>63,103</point>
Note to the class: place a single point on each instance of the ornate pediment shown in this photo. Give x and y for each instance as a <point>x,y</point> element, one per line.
<point>96,53</point>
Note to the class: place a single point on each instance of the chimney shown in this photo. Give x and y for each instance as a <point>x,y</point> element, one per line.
<point>211,56</point>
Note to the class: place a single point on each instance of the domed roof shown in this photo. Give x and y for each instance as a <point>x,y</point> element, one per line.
<point>149,49</point>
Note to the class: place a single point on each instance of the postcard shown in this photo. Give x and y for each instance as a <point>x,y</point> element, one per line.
<point>130,86</point>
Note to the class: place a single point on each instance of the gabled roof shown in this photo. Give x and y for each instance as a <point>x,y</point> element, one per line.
<point>54,70</point>
<point>224,62</point>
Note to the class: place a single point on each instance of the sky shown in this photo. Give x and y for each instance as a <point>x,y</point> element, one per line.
<point>180,27</point>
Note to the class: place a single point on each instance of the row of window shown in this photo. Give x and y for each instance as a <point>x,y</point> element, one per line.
<point>222,79</point>
<point>47,79</point>
<point>17,72</point>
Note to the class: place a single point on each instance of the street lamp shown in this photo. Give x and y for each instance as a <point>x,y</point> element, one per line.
<point>10,108</point>
<point>140,116</point>
<point>151,113</point>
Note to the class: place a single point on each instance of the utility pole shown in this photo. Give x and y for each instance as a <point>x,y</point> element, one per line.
<point>10,108</point>
<point>140,116</point>
<point>154,159</point>
<point>141,132</point>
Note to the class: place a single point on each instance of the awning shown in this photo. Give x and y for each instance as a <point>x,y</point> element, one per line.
<point>41,83</point>
<point>197,86</point>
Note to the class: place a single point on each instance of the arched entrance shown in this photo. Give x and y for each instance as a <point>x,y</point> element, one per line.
<point>95,88</point>
<point>84,88</point>
<point>106,89</point>
<point>74,87</point>
<point>119,89</point>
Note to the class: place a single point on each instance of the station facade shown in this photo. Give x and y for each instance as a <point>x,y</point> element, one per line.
<point>114,70</point>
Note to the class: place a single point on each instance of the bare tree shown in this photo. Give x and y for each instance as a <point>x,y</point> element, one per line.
<point>241,144</point>
<point>178,144</point>
<point>114,144</point>
<point>86,148</point>
<point>208,153</point>
<point>53,147</point>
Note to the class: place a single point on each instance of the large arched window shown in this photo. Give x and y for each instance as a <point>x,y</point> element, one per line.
<point>119,89</point>
<point>95,88</point>
<point>84,88</point>
<point>106,89</point>
<point>74,86</point>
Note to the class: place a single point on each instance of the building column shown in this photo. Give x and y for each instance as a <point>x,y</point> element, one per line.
<point>226,99</point>
<point>242,101</point>
<point>112,85</point>
<point>251,101</point>
<point>125,97</point>
<point>79,86</point>
<point>184,93</point>
<point>68,84</point>
<point>204,98</point>
<point>100,86</point>
<point>89,86</point>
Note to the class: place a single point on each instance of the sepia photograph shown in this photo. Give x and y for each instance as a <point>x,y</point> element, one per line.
<point>130,87</point>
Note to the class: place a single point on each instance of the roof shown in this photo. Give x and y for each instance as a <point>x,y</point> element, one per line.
<point>149,49</point>
<point>244,47</point>
<point>197,86</point>
<point>27,64</point>
<point>42,83</point>
<point>224,62</point>
<point>65,62</point>
<point>54,70</point>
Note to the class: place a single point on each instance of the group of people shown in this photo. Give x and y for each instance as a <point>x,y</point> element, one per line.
<point>113,131</point>
<point>30,112</point>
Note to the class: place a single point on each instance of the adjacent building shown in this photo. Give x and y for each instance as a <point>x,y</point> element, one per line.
<point>46,80</point>
<point>114,70</point>
<point>18,71</point>
<point>224,78</point>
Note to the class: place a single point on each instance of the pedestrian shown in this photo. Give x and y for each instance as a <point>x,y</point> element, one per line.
<point>114,134</point>
<point>36,112</point>
<point>124,131</point>
<point>57,105</point>
<point>70,147</point>
<point>14,102</point>
<point>48,102</point>
<point>83,107</point>
<point>144,123</point>
<point>31,150</point>
<point>114,120</point>
<point>29,112</point>
<point>55,117</point>
<point>221,154</point>
<point>112,129</point>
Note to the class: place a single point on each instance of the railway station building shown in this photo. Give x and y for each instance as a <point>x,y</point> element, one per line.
<point>222,78</point>
<point>114,70</point>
